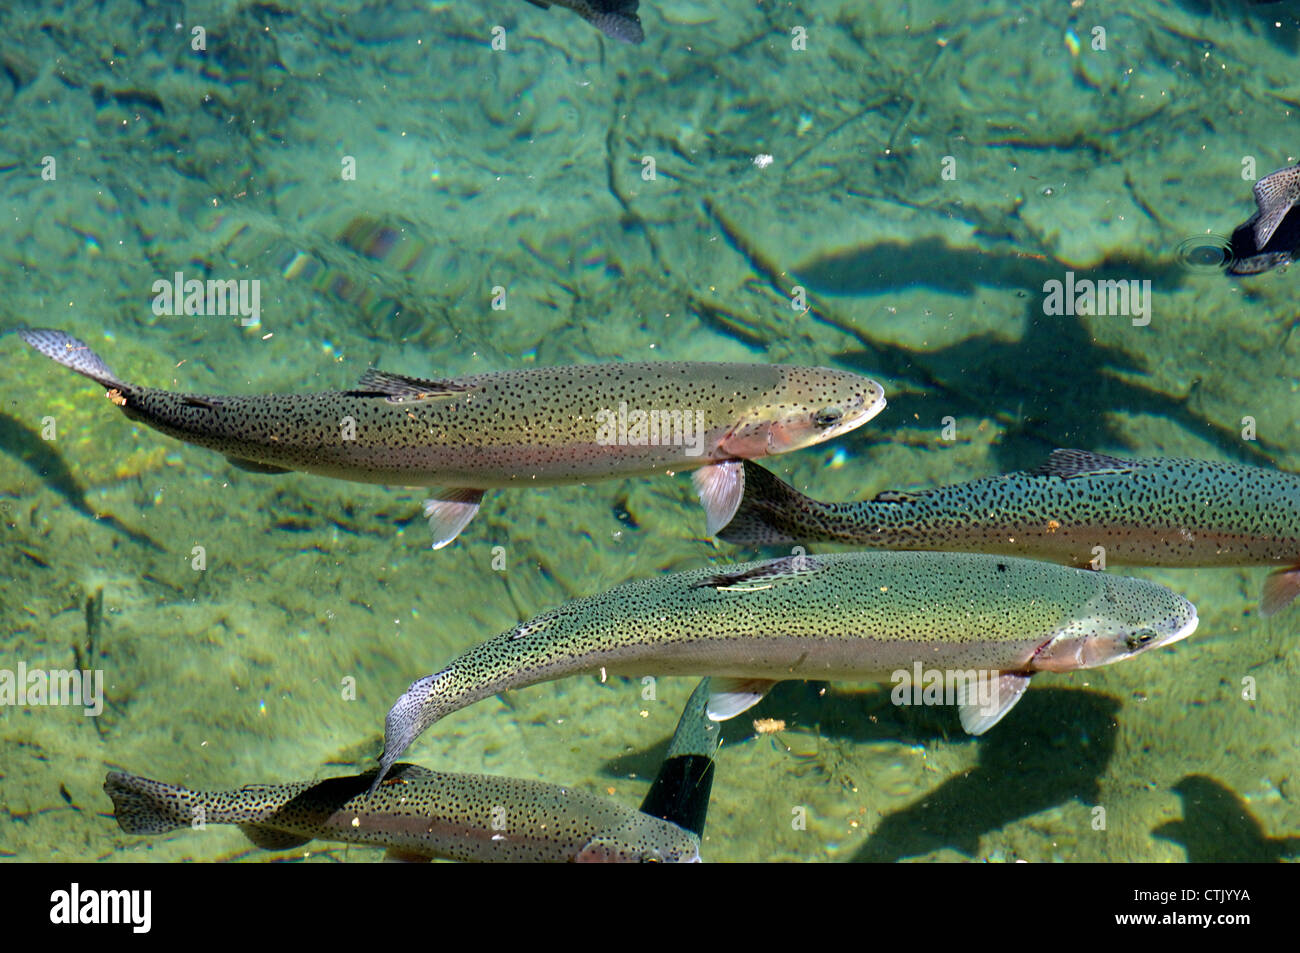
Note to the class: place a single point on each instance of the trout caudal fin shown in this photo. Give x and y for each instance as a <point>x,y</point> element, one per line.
<point>1275,195</point>
<point>142,806</point>
<point>418,708</point>
<point>72,353</point>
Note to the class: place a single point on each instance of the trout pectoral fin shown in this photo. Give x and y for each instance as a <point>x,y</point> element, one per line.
<point>1279,589</point>
<point>730,696</point>
<point>449,513</point>
<point>983,703</point>
<point>268,838</point>
<point>720,487</point>
<point>252,466</point>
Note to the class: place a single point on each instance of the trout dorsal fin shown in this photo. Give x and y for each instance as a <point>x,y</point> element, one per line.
<point>763,575</point>
<point>1076,463</point>
<point>894,496</point>
<point>400,389</point>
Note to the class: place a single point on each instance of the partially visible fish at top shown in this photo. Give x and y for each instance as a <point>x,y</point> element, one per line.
<point>1140,512</point>
<point>1271,237</point>
<point>543,426</point>
<point>616,19</point>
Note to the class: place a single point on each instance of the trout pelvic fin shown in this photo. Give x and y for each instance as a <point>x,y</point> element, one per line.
<point>450,512</point>
<point>978,714</point>
<point>728,697</point>
<point>1280,588</point>
<point>720,487</point>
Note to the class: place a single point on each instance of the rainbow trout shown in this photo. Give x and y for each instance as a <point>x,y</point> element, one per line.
<point>616,19</point>
<point>417,814</point>
<point>1152,512</point>
<point>1271,237</point>
<point>542,426</point>
<point>852,616</point>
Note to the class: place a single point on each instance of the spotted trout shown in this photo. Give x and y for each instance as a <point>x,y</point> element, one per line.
<point>851,616</point>
<point>542,426</point>
<point>616,19</point>
<point>1144,512</point>
<point>417,814</point>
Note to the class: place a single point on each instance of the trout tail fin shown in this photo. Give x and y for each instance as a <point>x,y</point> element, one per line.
<point>419,707</point>
<point>769,512</point>
<point>72,353</point>
<point>1275,195</point>
<point>142,806</point>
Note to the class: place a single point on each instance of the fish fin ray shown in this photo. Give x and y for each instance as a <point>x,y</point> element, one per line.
<point>398,388</point>
<point>786,567</point>
<point>728,697</point>
<point>1275,195</point>
<point>416,709</point>
<point>975,717</point>
<point>720,486</point>
<point>1280,588</point>
<point>142,806</point>
<point>450,512</point>
<point>1078,463</point>
<point>72,353</point>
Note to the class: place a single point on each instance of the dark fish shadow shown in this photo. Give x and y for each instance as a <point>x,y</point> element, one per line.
<point>1259,16</point>
<point>933,263</point>
<point>1217,827</point>
<point>1053,387</point>
<point>26,446</point>
<point>1050,750</point>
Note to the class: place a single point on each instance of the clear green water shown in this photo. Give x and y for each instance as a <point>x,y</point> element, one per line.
<point>523,168</point>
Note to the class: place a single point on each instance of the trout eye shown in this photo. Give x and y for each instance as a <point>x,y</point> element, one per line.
<point>828,416</point>
<point>1140,639</point>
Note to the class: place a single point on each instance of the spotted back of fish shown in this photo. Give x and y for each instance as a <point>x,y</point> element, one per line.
<point>1144,512</point>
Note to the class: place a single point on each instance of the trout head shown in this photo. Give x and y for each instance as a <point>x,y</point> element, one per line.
<point>1131,616</point>
<point>642,840</point>
<point>811,405</point>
